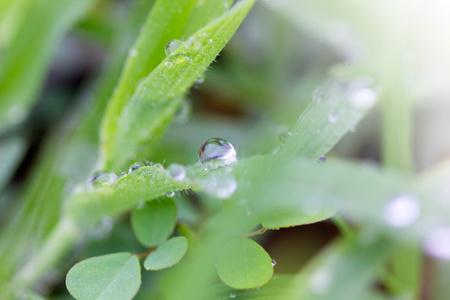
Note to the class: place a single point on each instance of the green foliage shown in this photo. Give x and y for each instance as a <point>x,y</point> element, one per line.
<point>114,276</point>
<point>167,254</point>
<point>243,264</point>
<point>265,81</point>
<point>153,223</point>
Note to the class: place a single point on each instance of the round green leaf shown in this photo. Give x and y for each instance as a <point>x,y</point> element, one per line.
<point>154,223</point>
<point>244,264</point>
<point>109,277</point>
<point>167,254</point>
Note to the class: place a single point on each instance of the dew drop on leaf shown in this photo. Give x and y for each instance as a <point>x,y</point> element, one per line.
<point>177,171</point>
<point>216,153</point>
<point>172,46</point>
<point>284,136</point>
<point>134,167</point>
<point>170,194</point>
<point>101,178</point>
<point>331,118</point>
<point>232,295</point>
<point>401,211</point>
<point>362,98</point>
<point>274,262</point>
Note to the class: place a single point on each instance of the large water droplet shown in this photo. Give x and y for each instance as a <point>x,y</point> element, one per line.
<point>102,178</point>
<point>172,46</point>
<point>284,136</point>
<point>220,185</point>
<point>402,211</point>
<point>134,167</point>
<point>437,242</point>
<point>178,172</point>
<point>216,153</point>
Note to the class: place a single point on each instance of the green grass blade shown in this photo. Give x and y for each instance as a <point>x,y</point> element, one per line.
<point>338,108</point>
<point>25,61</point>
<point>343,271</point>
<point>166,22</point>
<point>149,111</point>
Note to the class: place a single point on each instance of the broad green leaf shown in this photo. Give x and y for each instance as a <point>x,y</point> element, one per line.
<point>167,254</point>
<point>338,108</point>
<point>26,59</point>
<point>144,184</point>
<point>146,115</point>
<point>243,264</point>
<point>343,271</point>
<point>153,223</point>
<point>113,276</point>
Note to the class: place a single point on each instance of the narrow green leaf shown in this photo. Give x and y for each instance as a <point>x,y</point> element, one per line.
<point>147,114</point>
<point>338,108</point>
<point>109,277</point>
<point>11,151</point>
<point>144,184</point>
<point>295,218</point>
<point>154,223</point>
<point>26,59</point>
<point>243,264</point>
<point>165,23</point>
<point>203,12</point>
<point>167,254</point>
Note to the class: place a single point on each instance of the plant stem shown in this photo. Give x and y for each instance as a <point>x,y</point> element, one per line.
<point>60,240</point>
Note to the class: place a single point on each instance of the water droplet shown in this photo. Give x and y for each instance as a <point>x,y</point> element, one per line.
<point>402,211</point>
<point>274,262</point>
<point>437,242</point>
<point>134,167</point>
<point>168,64</point>
<point>323,158</point>
<point>178,172</point>
<point>172,46</point>
<point>284,136</point>
<point>158,166</point>
<point>331,118</point>
<point>200,79</point>
<point>362,98</point>
<point>226,4</point>
<point>134,52</point>
<point>216,153</point>
<point>220,185</point>
<point>318,131</point>
<point>232,295</point>
<point>170,194</point>
<point>321,282</point>
<point>353,127</point>
<point>102,178</point>
<point>184,112</point>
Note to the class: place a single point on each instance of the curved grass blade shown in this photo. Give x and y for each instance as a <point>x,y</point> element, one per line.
<point>25,61</point>
<point>149,111</point>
